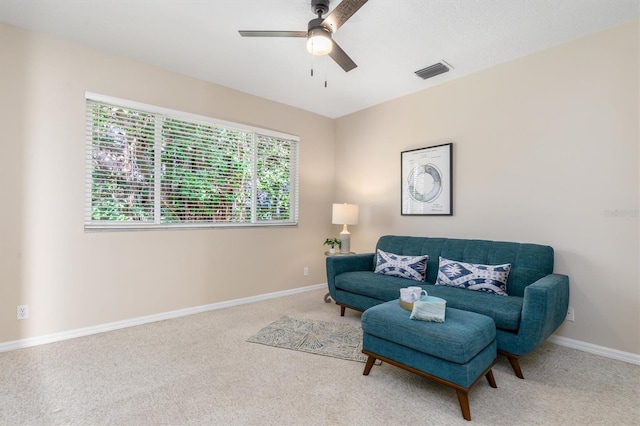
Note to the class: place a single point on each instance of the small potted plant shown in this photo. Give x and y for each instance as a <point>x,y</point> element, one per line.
<point>332,243</point>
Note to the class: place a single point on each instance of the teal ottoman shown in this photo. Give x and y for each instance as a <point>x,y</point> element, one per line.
<point>456,352</point>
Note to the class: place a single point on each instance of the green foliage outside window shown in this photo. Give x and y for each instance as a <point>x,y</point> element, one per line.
<point>122,165</point>
<point>274,199</point>
<point>203,173</point>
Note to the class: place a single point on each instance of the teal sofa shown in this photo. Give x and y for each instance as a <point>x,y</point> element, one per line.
<point>537,298</point>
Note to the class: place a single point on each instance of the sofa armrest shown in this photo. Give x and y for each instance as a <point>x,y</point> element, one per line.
<point>337,265</point>
<point>544,308</point>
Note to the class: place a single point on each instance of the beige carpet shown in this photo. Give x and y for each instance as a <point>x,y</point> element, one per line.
<point>201,370</point>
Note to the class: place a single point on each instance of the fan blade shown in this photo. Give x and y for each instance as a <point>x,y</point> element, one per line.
<point>273,33</point>
<point>341,13</point>
<point>341,58</point>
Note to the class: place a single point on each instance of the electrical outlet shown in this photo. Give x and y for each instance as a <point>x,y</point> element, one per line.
<point>570,314</point>
<point>23,312</point>
<point>305,271</point>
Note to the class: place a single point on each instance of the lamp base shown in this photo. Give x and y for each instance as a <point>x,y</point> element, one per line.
<point>345,239</point>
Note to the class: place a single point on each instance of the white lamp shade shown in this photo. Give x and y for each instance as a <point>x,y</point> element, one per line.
<point>345,214</point>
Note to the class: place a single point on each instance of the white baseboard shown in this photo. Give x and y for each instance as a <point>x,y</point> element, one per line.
<point>65,335</point>
<point>57,337</point>
<point>595,349</point>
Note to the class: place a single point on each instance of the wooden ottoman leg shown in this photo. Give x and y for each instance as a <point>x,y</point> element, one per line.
<point>490,379</point>
<point>367,368</point>
<point>342,308</point>
<point>463,399</point>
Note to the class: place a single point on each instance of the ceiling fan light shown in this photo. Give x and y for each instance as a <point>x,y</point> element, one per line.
<point>319,42</point>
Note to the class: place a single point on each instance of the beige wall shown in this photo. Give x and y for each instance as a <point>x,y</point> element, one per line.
<point>71,279</point>
<point>543,147</point>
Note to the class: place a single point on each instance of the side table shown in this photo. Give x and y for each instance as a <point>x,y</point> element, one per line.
<point>327,297</point>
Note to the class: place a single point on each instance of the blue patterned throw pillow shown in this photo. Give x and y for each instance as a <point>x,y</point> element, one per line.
<point>474,276</point>
<point>411,267</point>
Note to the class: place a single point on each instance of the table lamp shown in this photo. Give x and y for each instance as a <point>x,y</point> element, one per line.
<point>345,214</point>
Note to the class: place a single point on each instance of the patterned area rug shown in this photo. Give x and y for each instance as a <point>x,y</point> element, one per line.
<point>318,337</point>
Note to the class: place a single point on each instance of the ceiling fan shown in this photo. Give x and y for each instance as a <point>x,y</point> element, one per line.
<point>319,31</point>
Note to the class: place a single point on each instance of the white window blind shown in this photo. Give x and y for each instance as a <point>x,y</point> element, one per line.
<point>149,167</point>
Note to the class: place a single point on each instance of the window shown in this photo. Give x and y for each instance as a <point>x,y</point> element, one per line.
<point>149,167</point>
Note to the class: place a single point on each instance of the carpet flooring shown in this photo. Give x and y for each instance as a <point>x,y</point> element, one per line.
<point>200,370</point>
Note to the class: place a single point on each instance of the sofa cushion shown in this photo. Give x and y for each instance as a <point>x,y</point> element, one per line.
<point>368,283</point>
<point>474,276</point>
<point>505,311</point>
<point>411,267</point>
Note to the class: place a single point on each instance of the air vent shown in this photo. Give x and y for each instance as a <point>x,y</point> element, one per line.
<point>432,71</point>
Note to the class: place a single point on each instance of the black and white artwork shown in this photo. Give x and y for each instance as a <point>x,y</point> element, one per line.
<point>427,181</point>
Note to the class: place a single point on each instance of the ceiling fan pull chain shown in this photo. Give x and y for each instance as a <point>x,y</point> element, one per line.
<point>326,71</point>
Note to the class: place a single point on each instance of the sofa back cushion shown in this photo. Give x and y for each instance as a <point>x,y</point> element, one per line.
<point>529,262</point>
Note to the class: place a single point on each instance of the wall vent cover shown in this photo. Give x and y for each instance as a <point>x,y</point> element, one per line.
<point>432,70</point>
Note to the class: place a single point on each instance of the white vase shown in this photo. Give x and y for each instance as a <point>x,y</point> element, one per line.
<point>332,250</point>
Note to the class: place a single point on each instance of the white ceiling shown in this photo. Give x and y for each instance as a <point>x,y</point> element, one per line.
<point>388,39</point>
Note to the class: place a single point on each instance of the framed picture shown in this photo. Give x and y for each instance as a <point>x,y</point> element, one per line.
<point>427,181</point>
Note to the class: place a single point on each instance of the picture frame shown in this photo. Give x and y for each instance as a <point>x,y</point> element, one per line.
<point>427,181</point>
